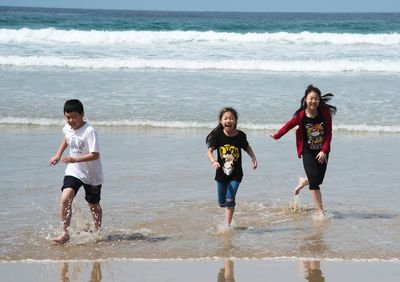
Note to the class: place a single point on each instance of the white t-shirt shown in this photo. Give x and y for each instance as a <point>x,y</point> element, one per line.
<point>81,142</point>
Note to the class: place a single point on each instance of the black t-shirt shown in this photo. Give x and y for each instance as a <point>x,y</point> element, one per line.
<point>229,155</point>
<point>314,133</point>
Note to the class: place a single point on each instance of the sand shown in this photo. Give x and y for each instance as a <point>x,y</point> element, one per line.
<point>201,270</point>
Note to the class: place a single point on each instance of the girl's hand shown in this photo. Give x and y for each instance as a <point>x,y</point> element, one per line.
<point>215,164</point>
<point>254,163</point>
<point>321,157</point>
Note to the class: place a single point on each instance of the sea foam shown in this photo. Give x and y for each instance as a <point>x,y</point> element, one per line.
<point>335,65</point>
<point>175,124</point>
<point>96,37</point>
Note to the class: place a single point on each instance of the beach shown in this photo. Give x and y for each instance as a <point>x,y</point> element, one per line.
<point>152,84</point>
<point>209,270</point>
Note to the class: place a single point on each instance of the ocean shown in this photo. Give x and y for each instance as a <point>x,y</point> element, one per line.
<point>152,84</point>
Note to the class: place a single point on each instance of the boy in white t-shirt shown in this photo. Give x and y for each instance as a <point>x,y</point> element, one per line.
<point>83,166</point>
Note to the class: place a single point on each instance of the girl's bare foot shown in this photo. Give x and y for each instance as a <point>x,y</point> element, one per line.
<point>319,215</point>
<point>63,238</point>
<point>302,182</point>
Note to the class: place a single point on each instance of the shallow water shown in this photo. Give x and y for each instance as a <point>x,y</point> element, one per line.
<point>160,202</point>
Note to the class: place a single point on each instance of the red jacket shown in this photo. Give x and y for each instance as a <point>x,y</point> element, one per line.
<point>296,121</point>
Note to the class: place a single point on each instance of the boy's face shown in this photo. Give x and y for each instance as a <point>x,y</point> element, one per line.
<point>74,119</point>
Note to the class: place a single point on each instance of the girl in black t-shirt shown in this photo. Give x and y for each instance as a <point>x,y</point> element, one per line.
<point>228,141</point>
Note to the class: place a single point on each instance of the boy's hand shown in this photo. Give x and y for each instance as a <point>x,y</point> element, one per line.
<point>54,160</point>
<point>68,159</point>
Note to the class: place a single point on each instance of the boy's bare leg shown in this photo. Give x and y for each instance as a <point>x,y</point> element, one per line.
<point>67,197</point>
<point>302,182</point>
<point>97,214</point>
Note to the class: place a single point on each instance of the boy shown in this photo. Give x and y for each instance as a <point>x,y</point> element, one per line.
<point>83,169</point>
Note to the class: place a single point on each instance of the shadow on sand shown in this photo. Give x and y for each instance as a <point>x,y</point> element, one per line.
<point>133,237</point>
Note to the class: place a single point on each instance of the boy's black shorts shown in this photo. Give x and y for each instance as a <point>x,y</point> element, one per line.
<point>93,192</point>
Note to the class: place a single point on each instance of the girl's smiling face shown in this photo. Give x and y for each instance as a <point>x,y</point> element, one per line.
<point>312,100</point>
<point>228,121</point>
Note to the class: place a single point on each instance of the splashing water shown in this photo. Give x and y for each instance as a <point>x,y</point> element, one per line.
<point>295,206</point>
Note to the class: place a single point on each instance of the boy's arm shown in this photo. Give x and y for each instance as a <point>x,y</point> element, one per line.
<point>250,152</point>
<point>56,158</point>
<point>84,158</point>
<point>93,149</point>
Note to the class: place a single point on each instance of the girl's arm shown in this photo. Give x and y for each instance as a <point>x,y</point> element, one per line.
<point>250,152</point>
<point>288,126</point>
<point>56,158</point>
<point>322,155</point>
<point>328,131</point>
<point>215,164</point>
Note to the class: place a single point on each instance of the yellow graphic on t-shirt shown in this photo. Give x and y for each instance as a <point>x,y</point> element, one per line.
<point>229,155</point>
<point>229,149</point>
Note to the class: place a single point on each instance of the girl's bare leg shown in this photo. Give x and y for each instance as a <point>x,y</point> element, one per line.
<point>229,215</point>
<point>302,182</point>
<point>317,198</point>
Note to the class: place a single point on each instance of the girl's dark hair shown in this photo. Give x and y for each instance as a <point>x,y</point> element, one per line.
<point>210,140</point>
<point>323,100</point>
<point>73,105</point>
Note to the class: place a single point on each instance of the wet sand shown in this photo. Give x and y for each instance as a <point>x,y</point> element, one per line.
<point>201,270</point>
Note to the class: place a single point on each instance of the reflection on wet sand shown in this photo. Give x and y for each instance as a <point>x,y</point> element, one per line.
<point>312,271</point>
<point>226,274</point>
<point>314,246</point>
<point>66,276</point>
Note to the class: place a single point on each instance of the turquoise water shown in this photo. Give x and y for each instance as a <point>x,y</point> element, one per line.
<point>121,20</point>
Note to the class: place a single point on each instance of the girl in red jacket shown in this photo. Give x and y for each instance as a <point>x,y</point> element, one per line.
<point>313,139</point>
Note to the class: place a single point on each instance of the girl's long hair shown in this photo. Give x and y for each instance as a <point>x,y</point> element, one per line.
<point>323,100</point>
<point>210,140</point>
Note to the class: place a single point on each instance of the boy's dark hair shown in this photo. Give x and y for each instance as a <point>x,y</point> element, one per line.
<point>73,105</point>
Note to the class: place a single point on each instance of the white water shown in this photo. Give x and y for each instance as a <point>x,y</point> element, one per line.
<point>193,50</point>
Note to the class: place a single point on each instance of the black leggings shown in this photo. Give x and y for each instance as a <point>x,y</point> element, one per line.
<point>314,170</point>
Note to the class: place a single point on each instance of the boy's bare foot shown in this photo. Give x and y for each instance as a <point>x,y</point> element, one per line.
<point>300,185</point>
<point>63,238</point>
